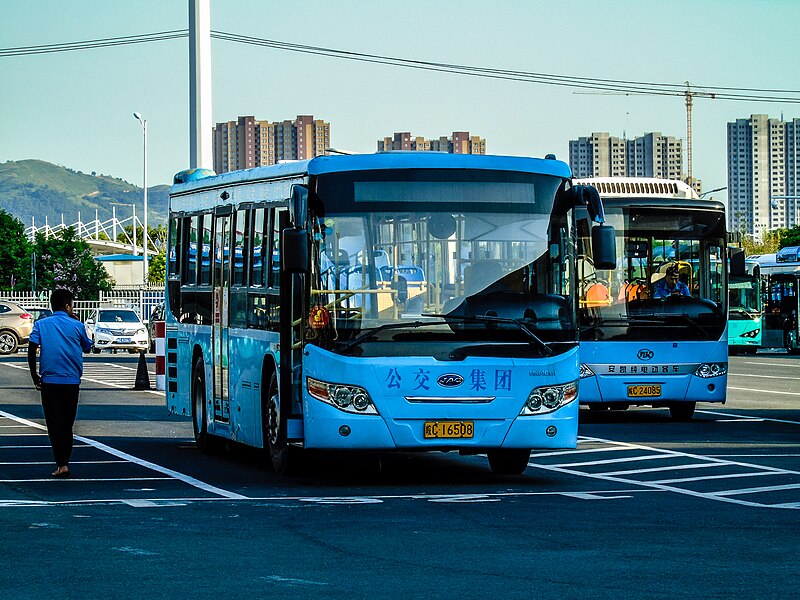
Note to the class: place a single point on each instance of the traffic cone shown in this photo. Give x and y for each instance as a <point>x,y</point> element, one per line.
<point>142,376</point>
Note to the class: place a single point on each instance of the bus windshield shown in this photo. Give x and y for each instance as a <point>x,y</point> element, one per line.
<point>441,263</point>
<point>744,296</point>
<point>669,282</point>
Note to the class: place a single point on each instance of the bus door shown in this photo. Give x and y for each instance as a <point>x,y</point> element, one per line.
<point>219,334</point>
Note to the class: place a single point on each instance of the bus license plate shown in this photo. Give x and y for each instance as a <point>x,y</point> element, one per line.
<point>123,340</point>
<point>644,391</point>
<point>449,429</point>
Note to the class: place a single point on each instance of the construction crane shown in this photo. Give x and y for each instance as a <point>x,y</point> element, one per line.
<point>688,95</point>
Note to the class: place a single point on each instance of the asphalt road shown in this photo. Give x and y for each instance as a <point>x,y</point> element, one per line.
<point>645,508</point>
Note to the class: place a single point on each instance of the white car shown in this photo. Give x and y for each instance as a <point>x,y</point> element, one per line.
<point>117,329</point>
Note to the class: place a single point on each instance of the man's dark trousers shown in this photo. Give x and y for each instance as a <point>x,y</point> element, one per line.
<point>60,403</point>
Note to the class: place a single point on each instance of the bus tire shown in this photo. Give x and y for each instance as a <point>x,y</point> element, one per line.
<point>789,342</point>
<point>509,461</point>
<point>682,411</point>
<point>202,438</point>
<point>284,458</point>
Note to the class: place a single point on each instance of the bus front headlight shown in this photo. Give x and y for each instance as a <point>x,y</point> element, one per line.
<point>347,398</point>
<point>707,370</point>
<point>751,334</point>
<point>549,398</point>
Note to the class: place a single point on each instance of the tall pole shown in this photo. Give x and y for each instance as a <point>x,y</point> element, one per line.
<point>689,133</point>
<point>200,117</point>
<point>133,206</point>
<point>145,237</point>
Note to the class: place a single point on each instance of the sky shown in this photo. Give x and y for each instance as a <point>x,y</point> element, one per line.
<point>76,108</point>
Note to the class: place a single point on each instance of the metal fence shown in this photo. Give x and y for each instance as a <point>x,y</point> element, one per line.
<point>142,299</point>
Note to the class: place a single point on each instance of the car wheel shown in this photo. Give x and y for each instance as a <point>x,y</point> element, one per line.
<point>508,462</point>
<point>8,342</point>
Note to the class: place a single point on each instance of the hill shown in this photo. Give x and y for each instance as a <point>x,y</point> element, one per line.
<point>38,189</point>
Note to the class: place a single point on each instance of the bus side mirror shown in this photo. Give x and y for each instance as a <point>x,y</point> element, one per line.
<point>294,250</point>
<point>587,195</point>
<point>299,204</point>
<point>736,264</point>
<point>604,247</point>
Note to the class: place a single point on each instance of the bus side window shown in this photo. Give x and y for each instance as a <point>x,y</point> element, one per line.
<point>279,220</point>
<point>257,249</point>
<point>190,264</point>
<point>173,273</point>
<point>203,250</point>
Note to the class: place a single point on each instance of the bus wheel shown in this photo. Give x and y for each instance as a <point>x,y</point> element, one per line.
<point>284,458</point>
<point>508,462</point>
<point>201,436</point>
<point>682,411</point>
<point>790,342</point>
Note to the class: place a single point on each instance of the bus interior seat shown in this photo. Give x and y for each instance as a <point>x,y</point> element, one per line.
<point>481,274</point>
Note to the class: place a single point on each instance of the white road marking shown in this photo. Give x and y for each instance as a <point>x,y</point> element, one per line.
<point>331,500</point>
<point>761,376</point>
<point>99,381</point>
<point>72,462</point>
<point>668,468</point>
<point>792,363</point>
<point>741,389</point>
<point>747,417</point>
<point>708,477</point>
<point>758,490</point>
<point>141,462</point>
<point>615,460</point>
<point>617,478</point>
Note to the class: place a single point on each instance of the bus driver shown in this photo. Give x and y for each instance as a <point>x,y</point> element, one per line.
<point>671,285</point>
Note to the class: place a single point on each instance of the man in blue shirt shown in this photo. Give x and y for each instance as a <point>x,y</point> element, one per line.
<point>62,340</point>
<point>671,285</point>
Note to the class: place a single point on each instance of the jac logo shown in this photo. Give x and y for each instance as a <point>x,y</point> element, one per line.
<point>645,354</point>
<point>450,380</point>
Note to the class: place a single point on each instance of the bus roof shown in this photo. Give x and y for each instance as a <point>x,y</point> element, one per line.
<point>380,160</point>
<point>641,187</point>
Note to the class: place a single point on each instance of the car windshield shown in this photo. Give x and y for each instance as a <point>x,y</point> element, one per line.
<point>117,316</point>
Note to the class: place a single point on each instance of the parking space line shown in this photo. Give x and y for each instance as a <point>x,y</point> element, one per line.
<point>616,460</point>
<point>741,389</point>
<point>72,462</point>
<point>722,496</point>
<point>747,417</point>
<point>141,462</point>
<point>571,452</point>
<point>669,468</point>
<point>82,479</point>
<point>758,490</point>
<point>728,476</point>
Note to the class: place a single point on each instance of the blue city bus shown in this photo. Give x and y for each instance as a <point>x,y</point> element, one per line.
<point>744,310</point>
<point>780,282</point>
<point>640,345</point>
<point>392,301</point>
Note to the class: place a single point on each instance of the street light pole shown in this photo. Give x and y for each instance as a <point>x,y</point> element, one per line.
<point>145,237</point>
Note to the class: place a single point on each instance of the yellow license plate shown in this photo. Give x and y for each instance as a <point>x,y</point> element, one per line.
<point>644,391</point>
<point>449,429</point>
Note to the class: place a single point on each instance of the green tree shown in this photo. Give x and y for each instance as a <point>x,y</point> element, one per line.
<point>65,261</point>
<point>15,253</point>
<point>790,237</point>
<point>770,243</point>
<point>157,271</point>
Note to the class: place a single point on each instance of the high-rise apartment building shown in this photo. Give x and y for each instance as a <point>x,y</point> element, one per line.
<point>461,142</point>
<point>650,155</point>
<point>763,172</point>
<point>248,142</point>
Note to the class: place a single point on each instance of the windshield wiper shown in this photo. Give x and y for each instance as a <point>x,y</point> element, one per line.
<point>370,332</point>
<point>537,341</point>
